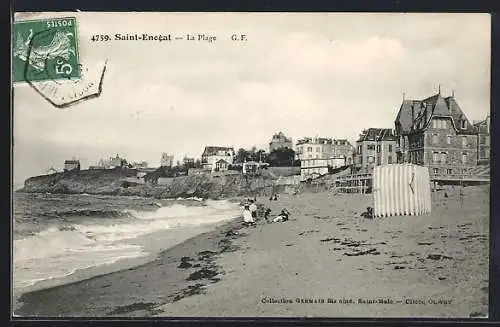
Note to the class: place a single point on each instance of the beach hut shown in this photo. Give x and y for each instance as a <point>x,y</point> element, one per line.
<point>401,189</point>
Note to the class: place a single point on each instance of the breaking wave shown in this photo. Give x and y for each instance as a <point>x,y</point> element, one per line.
<point>65,247</point>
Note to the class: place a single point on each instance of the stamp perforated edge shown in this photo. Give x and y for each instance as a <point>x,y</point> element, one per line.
<point>77,43</point>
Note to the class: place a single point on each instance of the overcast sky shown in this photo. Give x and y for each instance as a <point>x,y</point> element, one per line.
<point>330,75</point>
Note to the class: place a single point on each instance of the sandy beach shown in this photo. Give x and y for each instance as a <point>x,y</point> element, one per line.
<point>326,261</point>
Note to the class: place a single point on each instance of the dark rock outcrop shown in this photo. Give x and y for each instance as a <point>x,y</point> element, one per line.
<point>117,182</point>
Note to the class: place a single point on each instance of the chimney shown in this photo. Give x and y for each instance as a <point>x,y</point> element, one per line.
<point>412,113</point>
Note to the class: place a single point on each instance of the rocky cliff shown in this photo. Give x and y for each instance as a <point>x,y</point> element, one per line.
<point>117,182</point>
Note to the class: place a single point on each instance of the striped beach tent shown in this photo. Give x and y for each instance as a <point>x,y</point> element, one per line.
<point>401,189</point>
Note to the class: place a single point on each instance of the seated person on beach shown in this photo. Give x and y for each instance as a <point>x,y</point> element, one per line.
<point>247,215</point>
<point>282,217</point>
<point>266,214</point>
<point>368,213</point>
<point>253,209</point>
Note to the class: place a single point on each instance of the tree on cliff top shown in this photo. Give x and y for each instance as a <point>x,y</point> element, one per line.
<point>254,154</point>
<point>241,155</point>
<point>283,157</point>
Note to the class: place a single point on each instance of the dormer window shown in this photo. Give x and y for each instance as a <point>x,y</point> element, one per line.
<point>439,123</point>
<point>463,124</point>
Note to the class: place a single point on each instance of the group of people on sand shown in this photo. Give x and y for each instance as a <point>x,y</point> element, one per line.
<point>250,212</point>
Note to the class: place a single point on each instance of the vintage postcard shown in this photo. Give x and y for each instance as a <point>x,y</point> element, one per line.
<point>251,165</point>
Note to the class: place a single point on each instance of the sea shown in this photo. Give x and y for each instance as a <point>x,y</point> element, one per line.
<point>56,235</point>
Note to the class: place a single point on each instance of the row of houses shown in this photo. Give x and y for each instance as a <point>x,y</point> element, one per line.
<point>433,132</point>
<point>111,163</point>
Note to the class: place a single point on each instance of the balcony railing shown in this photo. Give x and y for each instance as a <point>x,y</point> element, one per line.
<point>355,176</point>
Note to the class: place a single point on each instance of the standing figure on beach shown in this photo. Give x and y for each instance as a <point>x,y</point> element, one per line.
<point>253,209</point>
<point>274,197</point>
<point>247,215</point>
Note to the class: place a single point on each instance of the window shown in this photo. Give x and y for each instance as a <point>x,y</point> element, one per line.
<point>482,139</point>
<point>370,159</point>
<point>318,149</point>
<point>309,149</point>
<point>448,139</point>
<point>464,158</point>
<point>435,156</point>
<point>464,141</point>
<point>371,147</point>
<point>390,148</point>
<point>463,124</point>
<point>482,153</point>
<point>389,159</point>
<point>449,171</point>
<point>378,148</point>
<point>443,157</point>
<point>378,161</point>
<point>439,123</point>
<point>435,138</point>
<point>435,171</point>
<point>359,148</point>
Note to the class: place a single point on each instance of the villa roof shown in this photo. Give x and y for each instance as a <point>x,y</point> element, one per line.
<point>483,126</point>
<point>221,161</point>
<point>414,113</point>
<point>377,134</point>
<point>212,150</point>
<point>323,140</point>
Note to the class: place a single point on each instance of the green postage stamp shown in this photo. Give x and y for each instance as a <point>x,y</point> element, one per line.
<point>45,49</point>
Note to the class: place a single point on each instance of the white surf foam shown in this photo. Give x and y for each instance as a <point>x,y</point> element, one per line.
<point>56,253</point>
<point>30,272</point>
<point>174,216</point>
